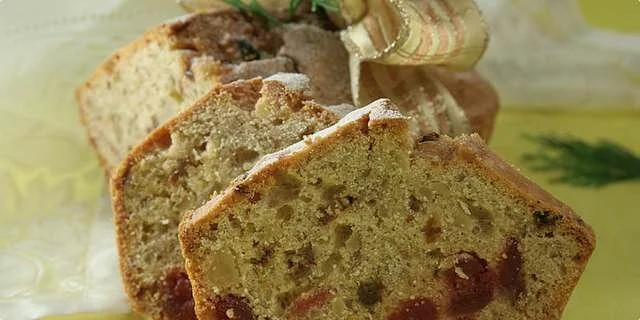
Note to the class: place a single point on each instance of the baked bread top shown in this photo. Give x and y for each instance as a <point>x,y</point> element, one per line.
<point>362,221</point>
<point>187,160</point>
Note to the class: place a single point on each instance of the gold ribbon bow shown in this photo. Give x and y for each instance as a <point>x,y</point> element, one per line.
<point>393,46</point>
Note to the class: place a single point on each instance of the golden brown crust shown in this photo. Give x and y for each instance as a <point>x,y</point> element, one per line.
<point>193,36</point>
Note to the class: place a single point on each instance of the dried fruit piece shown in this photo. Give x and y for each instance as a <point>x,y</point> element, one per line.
<point>247,51</point>
<point>266,253</point>
<point>299,261</point>
<point>432,229</point>
<point>482,216</point>
<point>414,204</point>
<point>232,307</point>
<point>163,139</point>
<point>310,300</point>
<point>545,218</point>
<point>471,284</point>
<point>284,213</point>
<point>510,270</point>
<point>431,136</point>
<point>370,292</point>
<point>288,189</point>
<point>342,234</point>
<point>178,300</point>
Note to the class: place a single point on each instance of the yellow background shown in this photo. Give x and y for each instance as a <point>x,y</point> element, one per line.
<point>619,15</point>
<point>610,287</point>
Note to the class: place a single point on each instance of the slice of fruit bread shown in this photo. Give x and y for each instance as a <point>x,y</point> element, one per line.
<point>166,70</point>
<point>183,163</point>
<point>362,221</point>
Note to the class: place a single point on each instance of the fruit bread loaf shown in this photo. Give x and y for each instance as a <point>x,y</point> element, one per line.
<point>361,221</point>
<point>171,66</point>
<point>166,70</point>
<point>186,160</point>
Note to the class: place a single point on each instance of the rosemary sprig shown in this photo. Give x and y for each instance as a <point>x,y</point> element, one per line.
<point>583,164</point>
<point>254,7</point>
<point>293,6</point>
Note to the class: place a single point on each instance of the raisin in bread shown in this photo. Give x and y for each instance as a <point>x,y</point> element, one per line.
<point>361,221</point>
<point>186,160</point>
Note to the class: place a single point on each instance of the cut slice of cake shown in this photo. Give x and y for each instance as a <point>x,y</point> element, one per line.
<point>183,163</point>
<point>164,71</point>
<point>361,221</point>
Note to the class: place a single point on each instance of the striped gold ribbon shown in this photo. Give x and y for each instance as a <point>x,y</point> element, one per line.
<point>418,32</point>
<point>392,45</point>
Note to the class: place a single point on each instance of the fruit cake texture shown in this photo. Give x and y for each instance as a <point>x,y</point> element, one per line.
<point>361,221</point>
<point>183,163</point>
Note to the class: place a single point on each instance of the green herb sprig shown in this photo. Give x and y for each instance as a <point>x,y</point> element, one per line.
<point>329,5</point>
<point>253,6</point>
<point>582,164</point>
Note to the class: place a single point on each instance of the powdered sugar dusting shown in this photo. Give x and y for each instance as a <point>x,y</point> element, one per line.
<point>293,81</point>
<point>179,19</point>
<point>377,110</point>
